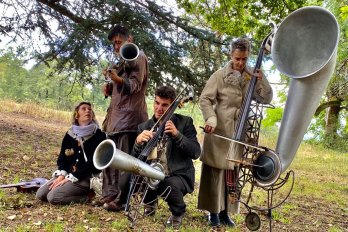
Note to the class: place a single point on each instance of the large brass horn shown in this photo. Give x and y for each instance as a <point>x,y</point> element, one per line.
<point>305,49</point>
<point>107,155</point>
<point>129,52</point>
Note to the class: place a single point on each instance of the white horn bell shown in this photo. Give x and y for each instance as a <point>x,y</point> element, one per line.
<point>303,48</point>
<point>107,155</point>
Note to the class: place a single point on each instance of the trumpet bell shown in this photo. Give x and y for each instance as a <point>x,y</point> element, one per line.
<point>129,52</point>
<point>107,155</point>
<point>103,155</point>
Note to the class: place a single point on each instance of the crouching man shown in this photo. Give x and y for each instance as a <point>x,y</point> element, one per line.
<point>176,149</point>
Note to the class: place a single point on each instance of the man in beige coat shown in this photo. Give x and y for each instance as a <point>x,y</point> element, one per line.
<point>220,103</point>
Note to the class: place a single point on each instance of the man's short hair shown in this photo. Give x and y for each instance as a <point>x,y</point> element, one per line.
<point>165,92</point>
<point>241,44</point>
<point>118,30</point>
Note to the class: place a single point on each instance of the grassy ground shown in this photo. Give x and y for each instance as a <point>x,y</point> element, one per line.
<point>30,138</point>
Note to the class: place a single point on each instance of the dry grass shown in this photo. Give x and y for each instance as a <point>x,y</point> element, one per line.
<point>34,110</point>
<point>30,137</point>
<point>39,111</point>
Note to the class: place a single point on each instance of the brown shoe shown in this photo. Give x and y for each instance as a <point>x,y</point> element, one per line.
<point>102,201</point>
<point>90,196</point>
<point>174,221</point>
<point>112,206</point>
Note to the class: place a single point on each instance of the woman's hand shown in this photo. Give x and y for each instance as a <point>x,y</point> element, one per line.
<point>210,125</point>
<point>58,182</point>
<point>209,129</point>
<point>258,74</point>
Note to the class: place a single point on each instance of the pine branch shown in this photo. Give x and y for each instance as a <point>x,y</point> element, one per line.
<point>198,33</point>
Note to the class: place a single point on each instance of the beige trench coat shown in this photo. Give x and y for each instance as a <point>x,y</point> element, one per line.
<point>220,103</point>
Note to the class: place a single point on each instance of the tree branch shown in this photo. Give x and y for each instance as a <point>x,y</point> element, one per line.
<point>201,34</point>
<point>62,10</point>
<point>328,104</point>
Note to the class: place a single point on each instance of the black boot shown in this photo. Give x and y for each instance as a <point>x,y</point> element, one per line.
<point>225,219</point>
<point>214,219</point>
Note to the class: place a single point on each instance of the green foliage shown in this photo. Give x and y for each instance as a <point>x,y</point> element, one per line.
<point>318,136</point>
<point>34,85</point>
<point>74,35</point>
<point>335,229</point>
<point>277,216</point>
<point>273,116</point>
<point>54,226</point>
<point>344,12</point>
<point>24,228</point>
<point>335,130</point>
<point>337,141</point>
<point>120,225</point>
<point>239,18</point>
<point>2,199</point>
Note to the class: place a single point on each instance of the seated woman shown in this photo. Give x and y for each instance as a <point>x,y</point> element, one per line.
<point>71,182</point>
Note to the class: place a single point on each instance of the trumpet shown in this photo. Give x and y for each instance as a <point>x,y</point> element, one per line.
<point>129,53</point>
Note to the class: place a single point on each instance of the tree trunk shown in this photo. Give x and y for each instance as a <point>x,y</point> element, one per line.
<point>332,120</point>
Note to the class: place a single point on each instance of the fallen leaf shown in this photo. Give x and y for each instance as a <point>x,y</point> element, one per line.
<point>26,158</point>
<point>11,217</point>
<point>37,223</point>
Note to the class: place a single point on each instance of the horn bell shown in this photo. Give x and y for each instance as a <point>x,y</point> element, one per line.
<point>107,155</point>
<point>304,48</point>
<point>267,168</point>
<point>129,52</point>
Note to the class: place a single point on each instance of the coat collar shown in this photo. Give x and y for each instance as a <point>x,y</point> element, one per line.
<point>234,77</point>
<point>227,70</point>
